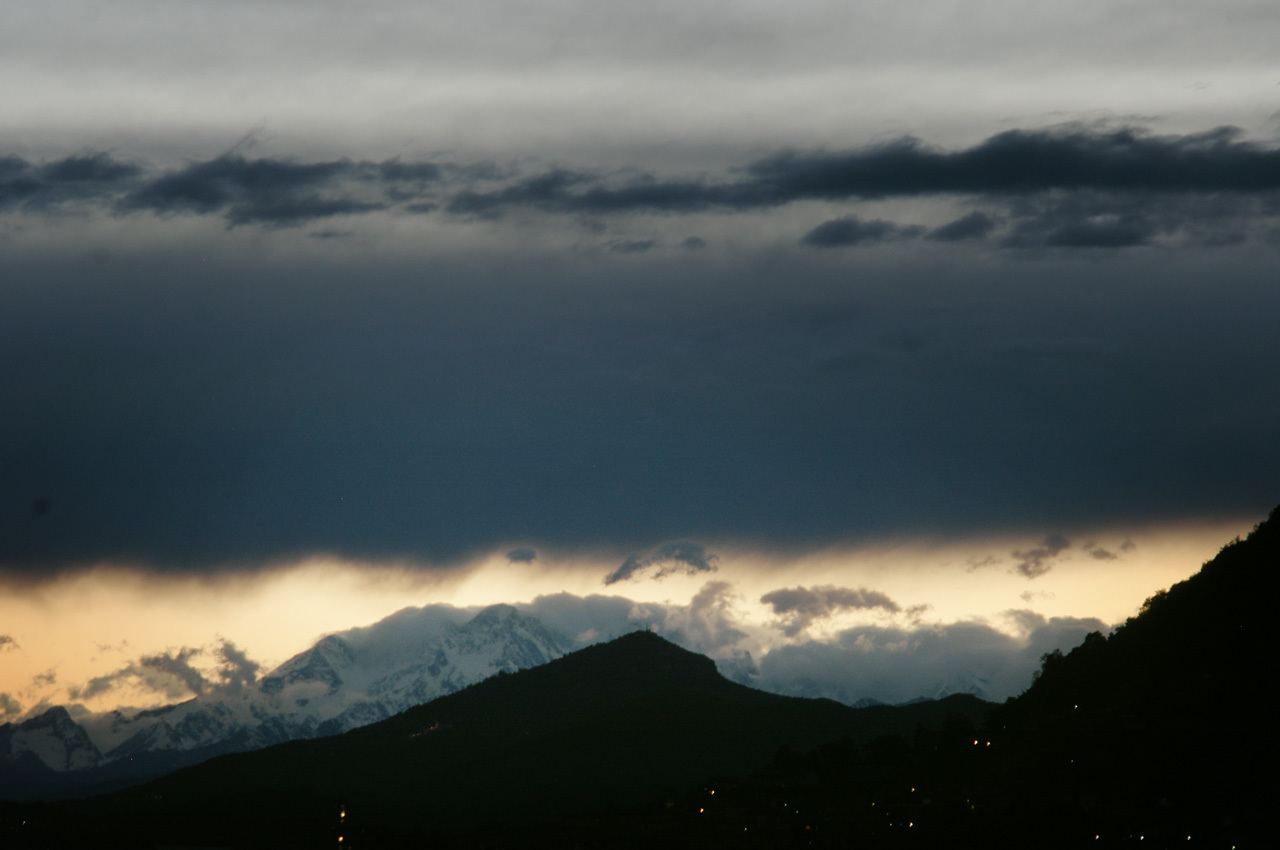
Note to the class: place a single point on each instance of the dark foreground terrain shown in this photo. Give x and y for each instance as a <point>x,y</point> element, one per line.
<point>1146,738</point>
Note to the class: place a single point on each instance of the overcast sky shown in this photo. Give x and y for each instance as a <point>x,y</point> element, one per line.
<point>631,294</point>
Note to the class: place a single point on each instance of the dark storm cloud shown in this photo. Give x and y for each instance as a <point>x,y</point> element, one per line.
<point>417,409</point>
<point>9,706</point>
<point>193,417</point>
<point>1034,563</point>
<point>851,230</point>
<point>522,556</point>
<point>799,607</point>
<point>679,556</point>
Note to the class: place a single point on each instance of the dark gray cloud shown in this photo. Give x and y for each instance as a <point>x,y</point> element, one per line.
<point>173,674</point>
<point>7,643</point>
<point>1098,553</point>
<point>82,177</point>
<point>678,556</point>
<point>269,191</point>
<point>9,706</point>
<point>1015,164</point>
<point>427,407</point>
<point>636,246</point>
<point>1035,562</point>
<point>523,555</point>
<point>975,225</point>
<point>236,671</point>
<point>174,667</point>
<point>225,415</point>
<point>851,230</point>
<point>799,607</point>
<point>48,677</point>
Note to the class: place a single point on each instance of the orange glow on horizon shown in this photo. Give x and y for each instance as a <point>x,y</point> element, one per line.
<point>69,630</point>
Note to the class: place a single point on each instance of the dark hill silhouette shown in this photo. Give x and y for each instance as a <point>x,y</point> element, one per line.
<point>609,728</point>
<point>1157,726</point>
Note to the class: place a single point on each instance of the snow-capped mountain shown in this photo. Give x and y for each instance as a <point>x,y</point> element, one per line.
<point>345,680</point>
<point>52,740</point>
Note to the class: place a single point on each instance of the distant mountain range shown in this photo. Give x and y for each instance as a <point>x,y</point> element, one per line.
<point>340,683</point>
<point>1126,740</point>
<point>614,722</point>
<point>343,682</point>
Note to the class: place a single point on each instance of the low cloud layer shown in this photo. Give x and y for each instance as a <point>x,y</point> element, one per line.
<point>887,663</point>
<point>174,674</point>
<point>799,607</point>
<point>894,665</point>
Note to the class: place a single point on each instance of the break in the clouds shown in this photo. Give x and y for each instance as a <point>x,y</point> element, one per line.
<point>799,607</point>
<point>677,557</point>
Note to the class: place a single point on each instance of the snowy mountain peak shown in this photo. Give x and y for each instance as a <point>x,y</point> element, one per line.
<point>53,738</point>
<point>323,663</point>
<point>343,681</point>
